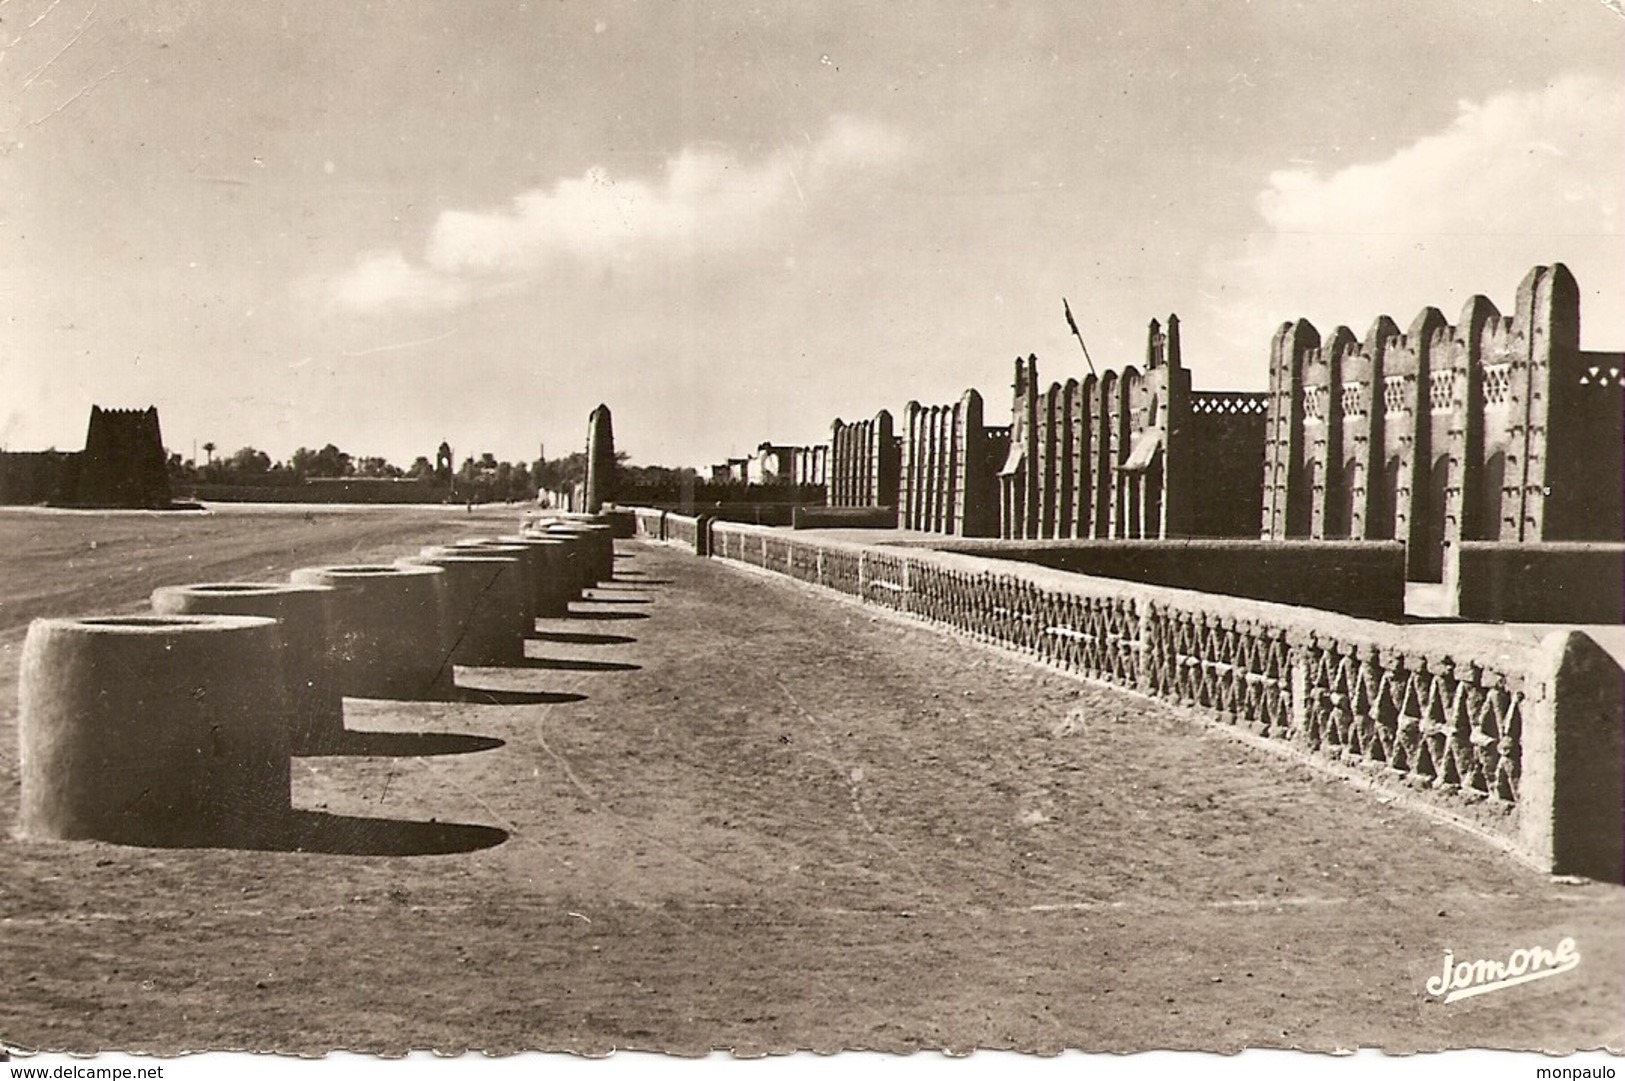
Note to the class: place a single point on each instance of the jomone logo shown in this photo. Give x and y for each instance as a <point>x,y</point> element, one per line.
<point>1466,979</point>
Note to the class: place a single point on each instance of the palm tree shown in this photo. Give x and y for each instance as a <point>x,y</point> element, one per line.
<point>208,450</point>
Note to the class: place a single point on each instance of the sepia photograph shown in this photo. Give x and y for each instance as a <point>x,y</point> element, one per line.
<point>536,531</point>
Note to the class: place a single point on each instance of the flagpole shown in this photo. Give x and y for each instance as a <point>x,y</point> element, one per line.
<point>1073,323</point>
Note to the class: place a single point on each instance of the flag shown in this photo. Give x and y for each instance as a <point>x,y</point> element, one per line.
<point>1073,323</point>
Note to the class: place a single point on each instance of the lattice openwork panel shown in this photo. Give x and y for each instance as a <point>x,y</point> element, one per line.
<point>1239,668</point>
<point>1497,383</point>
<point>1458,729</point>
<point>803,561</point>
<point>885,583</point>
<point>1229,403</point>
<point>964,600</point>
<point>1441,390</point>
<point>1396,394</point>
<point>1097,637</point>
<point>1013,617</point>
<point>998,622</point>
<point>1046,613</point>
<point>1353,400</point>
<point>1314,403</point>
<point>841,571</point>
<point>1601,375</point>
<point>940,595</point>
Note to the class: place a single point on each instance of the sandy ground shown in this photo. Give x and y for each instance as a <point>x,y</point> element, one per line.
<point>719,810</point>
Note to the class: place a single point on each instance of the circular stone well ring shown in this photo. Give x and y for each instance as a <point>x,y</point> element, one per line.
<point>391,627</point>
<point>154,730</point>
<point>306,615</point>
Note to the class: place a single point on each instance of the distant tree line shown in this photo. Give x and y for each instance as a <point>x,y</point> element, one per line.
<point>482,480</point>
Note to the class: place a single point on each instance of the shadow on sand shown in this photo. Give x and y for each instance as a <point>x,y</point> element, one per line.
<point>334,835</point>
<point>570,664</point>
<point>581,638</point>
<point>349,835</point>
<point>483,696</point>
<point>376,744</point>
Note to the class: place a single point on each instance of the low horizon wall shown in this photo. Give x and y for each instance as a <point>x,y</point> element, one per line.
<point>360,490</point>
<point>1552,582</point>
<point>701,495</point>
<point>754,513</point>
<point>1515,737</point>
<point>1357,578</point>
<point>844,518</point>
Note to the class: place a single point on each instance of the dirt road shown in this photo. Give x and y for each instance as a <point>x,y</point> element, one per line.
<point>716,810</point>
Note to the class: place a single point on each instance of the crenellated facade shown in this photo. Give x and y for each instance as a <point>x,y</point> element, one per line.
<point>123,465</point>
<point>863,463</point>
<point>1135,455</point>
<point>1496,428</point>
<point>950,468</point>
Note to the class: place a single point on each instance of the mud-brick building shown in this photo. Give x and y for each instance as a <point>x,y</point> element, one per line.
<point>122,466</point>
<point>1131,455</point>
<point>863,463</point>
<point>949,481</point>
<point>809,465</point>
<point>123,462</point>
<point>37,476</point>
<point>781,463</point>
<point>1494,429</point>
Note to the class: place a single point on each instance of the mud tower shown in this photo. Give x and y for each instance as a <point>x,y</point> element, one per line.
<point>123,461</point>
<point>600,459</point>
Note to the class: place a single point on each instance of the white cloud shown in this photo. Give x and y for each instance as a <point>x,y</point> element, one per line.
<point>383,279</point>
<point>1516,180</point>
<point>702,200</point>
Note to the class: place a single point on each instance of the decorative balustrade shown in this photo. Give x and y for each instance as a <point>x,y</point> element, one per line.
<point>1442,714</point>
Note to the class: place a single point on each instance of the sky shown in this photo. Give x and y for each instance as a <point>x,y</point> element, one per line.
<point>384,225</point>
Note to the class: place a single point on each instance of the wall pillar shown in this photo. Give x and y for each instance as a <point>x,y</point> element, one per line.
<point>1569,791</point>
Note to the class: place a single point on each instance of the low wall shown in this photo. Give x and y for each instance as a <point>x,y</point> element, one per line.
<point>773,514</point>
<point>43,476</point>
<point>845,518</point>
<point>781,514</point>
<point>695,498</point>
<point>1541,583</point>
<point>1500,732</point>
<point>689,532</point>
<point>648,523</point>
<point>358,490</point>
<point>1358,578</point>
